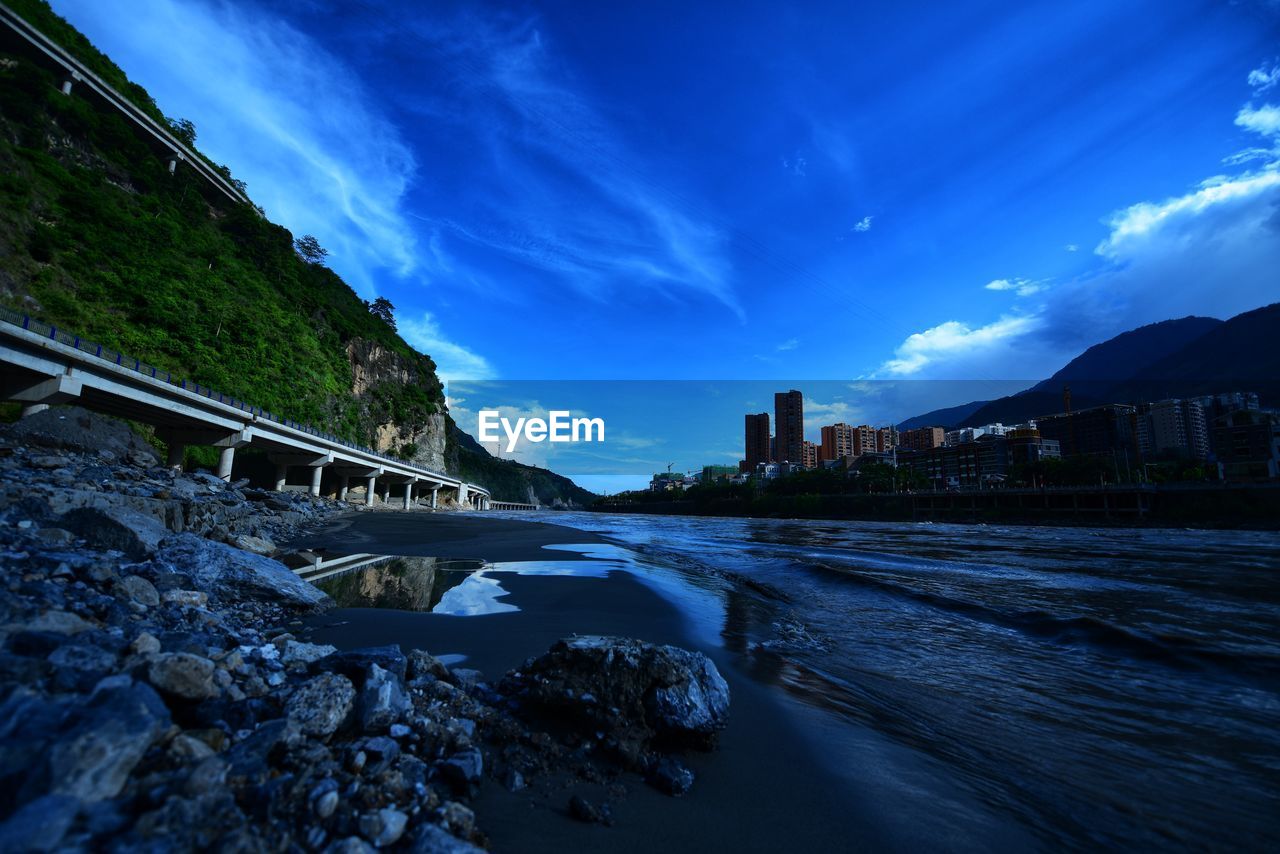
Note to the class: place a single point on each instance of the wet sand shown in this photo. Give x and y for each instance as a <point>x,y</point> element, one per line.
<point>762,790</point>
<point>445,535</point>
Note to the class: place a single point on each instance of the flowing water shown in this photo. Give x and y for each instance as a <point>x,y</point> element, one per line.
<point>1091,686</point>
<point>1074,687</point>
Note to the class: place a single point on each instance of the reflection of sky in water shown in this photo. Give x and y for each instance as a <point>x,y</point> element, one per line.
<point>477,594</point>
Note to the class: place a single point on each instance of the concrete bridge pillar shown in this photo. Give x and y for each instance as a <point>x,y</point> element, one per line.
<point>282,476</point>
<point>177,452</point>
<point>386,493</point>
<point>342,487</point>
<point>370,490</point>
<point>408,495</point>
<point>225,459</point>
<point>316,473</point>
<point>435,493</point>
<point>66,86</point>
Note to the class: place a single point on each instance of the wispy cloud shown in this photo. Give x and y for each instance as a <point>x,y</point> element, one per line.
<point>327,165</point>
<point>789,344</point>
<point>553,184</point>
<point>1263,78</point>
<point>797,165</point>
<point>1072,247</point>
<point>1022,287</point>
<point>453,361</point>
<point>863,224</point>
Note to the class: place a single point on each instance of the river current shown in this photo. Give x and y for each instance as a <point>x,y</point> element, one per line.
<point>1079,687</point>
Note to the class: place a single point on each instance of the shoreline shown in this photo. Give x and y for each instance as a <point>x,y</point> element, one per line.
<point>1246,507</point>
<point>160,684</point>
<point>762,789</point>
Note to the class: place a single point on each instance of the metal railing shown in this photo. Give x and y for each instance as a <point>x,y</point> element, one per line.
<point>83,74</point>
<point>114,357</point>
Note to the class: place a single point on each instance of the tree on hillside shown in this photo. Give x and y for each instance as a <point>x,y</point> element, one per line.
<point>310,249</point>
<point>183,129</point>
<point>382,309</point>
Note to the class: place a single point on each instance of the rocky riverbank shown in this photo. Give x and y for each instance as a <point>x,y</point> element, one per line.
<point>156,690</point>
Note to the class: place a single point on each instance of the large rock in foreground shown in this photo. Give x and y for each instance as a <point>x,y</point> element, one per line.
<point>640,694</point>
<point>229,574</point>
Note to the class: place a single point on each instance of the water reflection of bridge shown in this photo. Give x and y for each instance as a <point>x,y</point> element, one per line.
<point>319,567</point>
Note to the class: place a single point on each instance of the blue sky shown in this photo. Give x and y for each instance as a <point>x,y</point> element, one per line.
<point>746,191</point>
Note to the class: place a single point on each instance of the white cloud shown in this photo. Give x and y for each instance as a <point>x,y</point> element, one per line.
<point>1152,222</point>
<point>956,340</point>
<point>789,344</point>
<point>1264,120</point>
<point>1022,287</point>
<point>1263,78</point>
<point>453,361</point>
<point>1072,247</point>
<point>863,224</point>
<point>818,415</point>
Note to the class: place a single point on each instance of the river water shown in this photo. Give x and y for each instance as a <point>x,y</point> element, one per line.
<point>1082,687</point>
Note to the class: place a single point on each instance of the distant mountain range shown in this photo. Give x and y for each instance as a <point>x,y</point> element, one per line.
<point>1174,358</point>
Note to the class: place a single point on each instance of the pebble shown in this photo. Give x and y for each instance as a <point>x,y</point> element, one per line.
<point>181,674</point>
<point>383,827</point>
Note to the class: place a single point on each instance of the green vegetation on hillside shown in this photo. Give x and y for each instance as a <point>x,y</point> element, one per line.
<point>96,237</point>
<point>100,239</point>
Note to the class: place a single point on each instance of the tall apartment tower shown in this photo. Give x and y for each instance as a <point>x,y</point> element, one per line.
<point>757,450</point>
<point>864,440</point>
<point>788,418</point>
<point>809,454</point>
<point>837,442</point>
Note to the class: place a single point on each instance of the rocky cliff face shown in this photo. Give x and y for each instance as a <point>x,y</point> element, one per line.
<point>379,377</point>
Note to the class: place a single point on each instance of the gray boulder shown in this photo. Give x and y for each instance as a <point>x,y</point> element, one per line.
<point>75,429</point>
<point>92,757</point>
<point>322,704</point>
<point>136,534</point>
<point>39,825</point>
<point>383,699</point>
<point>183,675</point>
<point>639,694</point>
<point>231,574</point>
<point>434,839</point>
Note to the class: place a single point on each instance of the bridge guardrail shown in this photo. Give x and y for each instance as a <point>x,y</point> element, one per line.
<point>115,357</point>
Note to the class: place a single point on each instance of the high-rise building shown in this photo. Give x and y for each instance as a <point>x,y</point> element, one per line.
<point>1173,427</point>
<point>757,444</point>
<point>864,440</point>
<point>1102,430</point>
<point>1247,444</point>
<point>922,438</point>
<point>837,442</point>
<point>808,454</point>
<point>886,439</point>
<point>788,417</point>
